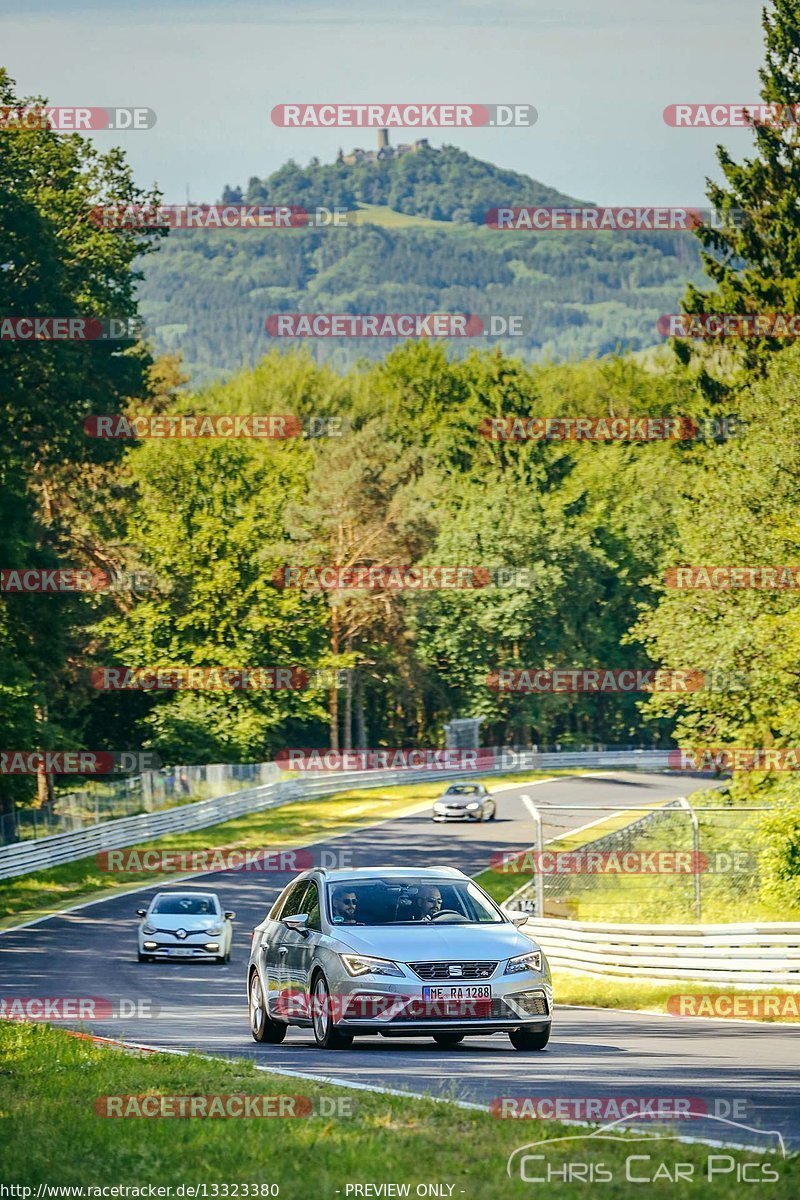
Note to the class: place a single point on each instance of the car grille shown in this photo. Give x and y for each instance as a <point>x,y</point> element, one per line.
<point>190,933</point>
<point>531,1004</point>
<point>470,969</point>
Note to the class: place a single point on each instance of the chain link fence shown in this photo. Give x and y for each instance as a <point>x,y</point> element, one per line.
<point>680,862</point>
<point>107,800</point>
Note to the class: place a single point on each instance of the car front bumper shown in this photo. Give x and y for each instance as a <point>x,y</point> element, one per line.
<point>457,815</point>
<point>399,1007</point>
<point>157,947</point>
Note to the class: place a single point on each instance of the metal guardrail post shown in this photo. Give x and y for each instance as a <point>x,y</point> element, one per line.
<point>698,902</point>
<point>539,877</point>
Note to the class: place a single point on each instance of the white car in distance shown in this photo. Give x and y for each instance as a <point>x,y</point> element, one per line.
<point>185,925</point>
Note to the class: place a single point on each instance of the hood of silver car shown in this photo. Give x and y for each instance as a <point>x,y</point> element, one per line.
<point>427,941</point>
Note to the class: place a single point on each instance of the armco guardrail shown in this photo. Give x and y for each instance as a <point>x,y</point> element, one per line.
<point>20,858</point>
<point>764,955</point>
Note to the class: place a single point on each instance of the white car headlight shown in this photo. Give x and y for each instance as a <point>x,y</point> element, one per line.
<point>213,929</point>
<point>148,928</point>
<point>360,964</point>
<point>524,962</point>
<point>473,805</point>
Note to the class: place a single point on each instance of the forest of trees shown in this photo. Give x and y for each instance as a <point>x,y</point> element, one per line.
<point>410,480</point>
<point>208,293</point>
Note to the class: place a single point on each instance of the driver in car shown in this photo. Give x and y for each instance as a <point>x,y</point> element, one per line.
<point>429,902</point>
<point>345,902</point>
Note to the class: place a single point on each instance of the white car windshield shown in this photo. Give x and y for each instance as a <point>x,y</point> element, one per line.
<point>190,906</point>
<point>409,901</point>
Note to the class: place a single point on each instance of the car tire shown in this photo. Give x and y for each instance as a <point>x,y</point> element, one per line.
<point>529,1039</point>
<point>494,813</point>
<point>261,1027</point>
<point>448,1039</point>
<point>326,1035</point>
<point>143,957</point>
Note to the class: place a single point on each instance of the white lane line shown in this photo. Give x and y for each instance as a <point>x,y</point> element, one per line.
<point>378,1089</point>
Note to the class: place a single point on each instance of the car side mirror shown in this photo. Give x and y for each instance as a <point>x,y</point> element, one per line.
<point>229,916</point>
<point>141,912</point>
<point>519,918</point>
<point>297,923</point>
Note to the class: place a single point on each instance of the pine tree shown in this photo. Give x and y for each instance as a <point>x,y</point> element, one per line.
<point>752,253</point>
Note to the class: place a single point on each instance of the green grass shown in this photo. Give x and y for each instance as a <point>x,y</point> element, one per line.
<point>286,827</point>
<point>570,988</point>
<point>380,214</point>
<point>50,1082</point>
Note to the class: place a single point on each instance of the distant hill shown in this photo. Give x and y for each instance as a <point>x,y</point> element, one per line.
<point>419,244</point>
<point>444,185</point>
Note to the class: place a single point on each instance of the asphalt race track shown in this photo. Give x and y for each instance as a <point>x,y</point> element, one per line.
<point>91,951</point>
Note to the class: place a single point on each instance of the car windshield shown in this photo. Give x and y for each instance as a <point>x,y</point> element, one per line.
<point>409,902</point>
<point>463,789</point>
<point>189,906</point>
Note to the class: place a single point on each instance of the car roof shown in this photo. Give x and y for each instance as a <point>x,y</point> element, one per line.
<point>364,873</point>
<point>186,895</point>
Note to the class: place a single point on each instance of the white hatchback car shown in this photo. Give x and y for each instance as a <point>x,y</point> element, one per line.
<point>185,925</point>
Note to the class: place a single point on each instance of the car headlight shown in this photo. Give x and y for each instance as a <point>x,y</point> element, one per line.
<point>524,962</point>
<point>360,964</point>
<point>213,929</point>
<point>148,928</point>
<point>473,805</point>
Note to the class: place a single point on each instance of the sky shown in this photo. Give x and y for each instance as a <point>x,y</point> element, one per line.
<point>599,74</point>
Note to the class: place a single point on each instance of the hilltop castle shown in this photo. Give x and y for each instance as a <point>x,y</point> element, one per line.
<point>384,150</point>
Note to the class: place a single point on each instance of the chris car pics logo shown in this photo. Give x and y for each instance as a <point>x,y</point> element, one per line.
<point>650,1157</point>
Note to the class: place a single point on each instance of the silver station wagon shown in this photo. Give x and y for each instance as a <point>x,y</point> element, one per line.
<point>395,952</point>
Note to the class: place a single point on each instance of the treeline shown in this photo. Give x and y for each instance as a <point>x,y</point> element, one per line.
<point>206,294</point>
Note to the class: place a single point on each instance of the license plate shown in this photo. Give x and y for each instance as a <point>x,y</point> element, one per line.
<point>181,953</point>
<point>465,991</point>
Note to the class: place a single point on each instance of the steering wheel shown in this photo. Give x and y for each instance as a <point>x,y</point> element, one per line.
<point>448,912</point>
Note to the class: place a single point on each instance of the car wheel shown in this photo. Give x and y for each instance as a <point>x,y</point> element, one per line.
<point>448,1039</point>
<point>261,1027</point>
<point>529,1039</point>
<point>326,1035</point>
<point>494,813</point>
<point>143,957</point>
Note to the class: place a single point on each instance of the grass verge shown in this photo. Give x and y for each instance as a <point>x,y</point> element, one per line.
<point>289,826</point>
<point>570,988</point>
<point>50,1084</point>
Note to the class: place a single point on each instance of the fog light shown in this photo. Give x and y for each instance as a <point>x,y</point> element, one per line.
<point>212,946</point>
<point>151,945</point>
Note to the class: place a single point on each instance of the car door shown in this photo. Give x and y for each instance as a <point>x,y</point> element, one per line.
<point>298,950</point>
<point>281,1002</point>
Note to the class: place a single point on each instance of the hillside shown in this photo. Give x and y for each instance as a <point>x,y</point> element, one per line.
<point>418,243</point>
